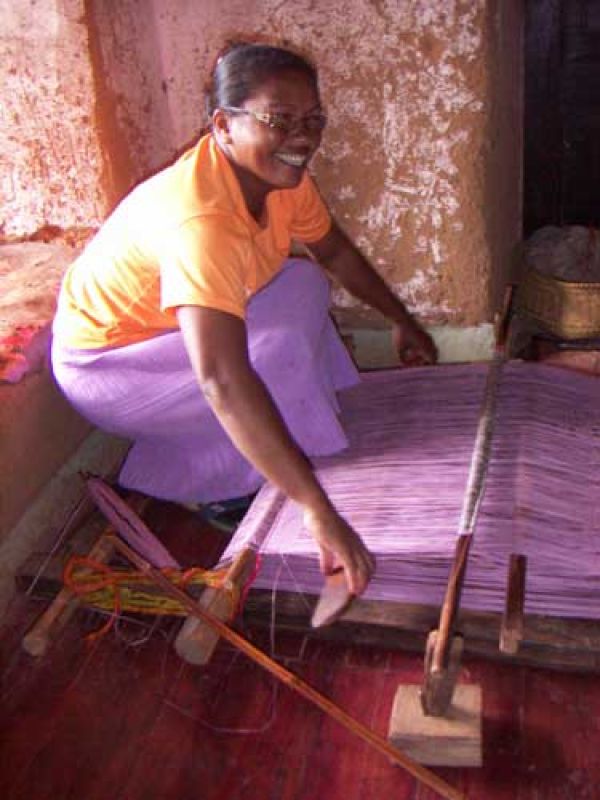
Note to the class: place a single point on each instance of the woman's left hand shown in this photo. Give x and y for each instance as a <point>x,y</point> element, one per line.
<point>350,268</point>
<point>415,347</point>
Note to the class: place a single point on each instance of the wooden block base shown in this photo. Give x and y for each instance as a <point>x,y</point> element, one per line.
<point>451,741</point>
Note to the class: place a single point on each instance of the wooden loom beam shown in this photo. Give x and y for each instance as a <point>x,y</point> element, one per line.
<point>549,642</point>
<point>442,651</point>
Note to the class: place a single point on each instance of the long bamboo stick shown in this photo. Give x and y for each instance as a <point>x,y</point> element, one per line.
<point>293,681</point>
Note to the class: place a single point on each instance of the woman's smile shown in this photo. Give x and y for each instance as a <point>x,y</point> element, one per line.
<point>271,139</point>
<point>293,159</point>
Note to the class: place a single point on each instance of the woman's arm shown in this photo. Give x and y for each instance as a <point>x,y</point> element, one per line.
<point>218,350</point>
<point>346,263</point>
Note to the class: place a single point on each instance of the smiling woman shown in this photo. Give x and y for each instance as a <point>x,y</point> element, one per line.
<point>185,326</point>
<point>271,132</point>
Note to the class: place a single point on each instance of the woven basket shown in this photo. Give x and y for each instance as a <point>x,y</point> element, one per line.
<point>567,309</point>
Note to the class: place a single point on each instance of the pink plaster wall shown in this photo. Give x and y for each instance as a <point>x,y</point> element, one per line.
<point>421,162</point>
<point>50,156</point>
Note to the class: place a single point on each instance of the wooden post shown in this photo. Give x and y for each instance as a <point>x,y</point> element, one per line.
<point>196,641</point>
<point>438,681</point>
<point>36,640</point>
<point>511,630</point>
<point>444,650</point>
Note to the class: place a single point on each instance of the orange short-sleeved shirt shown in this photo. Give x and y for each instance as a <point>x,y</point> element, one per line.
<point>183,237</point>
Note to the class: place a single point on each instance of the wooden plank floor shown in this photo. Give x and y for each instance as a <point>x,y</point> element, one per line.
<point>123,718</point>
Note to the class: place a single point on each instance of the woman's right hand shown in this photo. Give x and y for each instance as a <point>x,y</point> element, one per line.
<point>340,546</point>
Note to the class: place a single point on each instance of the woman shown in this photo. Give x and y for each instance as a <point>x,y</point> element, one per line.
<point>185,286</point>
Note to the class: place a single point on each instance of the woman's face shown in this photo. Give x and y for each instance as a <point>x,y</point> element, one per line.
<point>266,157</point>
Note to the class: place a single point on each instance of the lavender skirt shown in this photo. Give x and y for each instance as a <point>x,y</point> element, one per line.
<point>147,392</point>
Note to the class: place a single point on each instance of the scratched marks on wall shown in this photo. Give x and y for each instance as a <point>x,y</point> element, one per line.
<point>405,105</point>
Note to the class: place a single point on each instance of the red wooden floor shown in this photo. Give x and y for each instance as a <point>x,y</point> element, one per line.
<point>124,719</point>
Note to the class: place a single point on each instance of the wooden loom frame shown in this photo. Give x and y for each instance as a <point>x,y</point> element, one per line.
<point>514,637</point>
<point>537,640</point>
<point>547,641</point>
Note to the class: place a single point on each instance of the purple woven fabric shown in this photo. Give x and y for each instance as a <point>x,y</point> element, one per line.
<point>147,392</point>
<point>402,481</point>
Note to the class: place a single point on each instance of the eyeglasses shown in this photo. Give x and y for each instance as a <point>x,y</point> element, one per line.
<point>286,123</point>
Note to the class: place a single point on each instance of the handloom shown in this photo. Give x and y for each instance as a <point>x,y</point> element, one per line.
<point>401,484</point>
<point>540,502</point>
